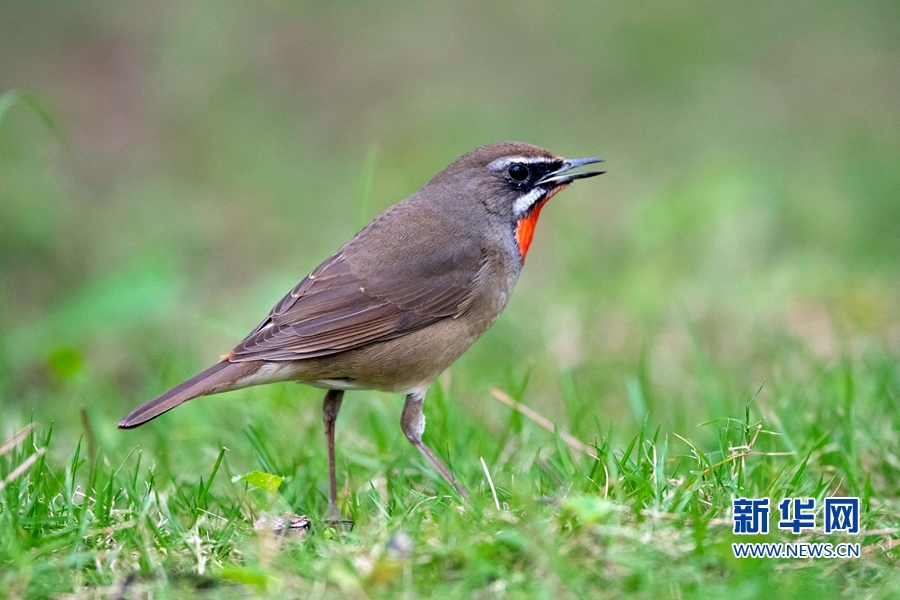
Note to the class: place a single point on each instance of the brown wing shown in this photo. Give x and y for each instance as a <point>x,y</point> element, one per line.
<point>360,296</point>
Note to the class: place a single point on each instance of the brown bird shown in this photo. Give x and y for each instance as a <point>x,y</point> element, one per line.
<point>403,299</point>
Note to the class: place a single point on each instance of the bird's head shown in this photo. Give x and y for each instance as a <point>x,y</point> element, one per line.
<point>513,180</point>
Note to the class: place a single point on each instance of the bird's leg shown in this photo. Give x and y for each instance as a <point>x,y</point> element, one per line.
<point>330,408</point>
<point>413,423</point>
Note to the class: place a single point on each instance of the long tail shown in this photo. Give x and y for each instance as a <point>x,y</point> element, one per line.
<point>214,379</point>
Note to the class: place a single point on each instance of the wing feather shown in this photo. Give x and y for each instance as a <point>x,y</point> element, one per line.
<point>352,300</point>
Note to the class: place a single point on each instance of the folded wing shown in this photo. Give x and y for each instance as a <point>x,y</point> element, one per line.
<point>360,296</point>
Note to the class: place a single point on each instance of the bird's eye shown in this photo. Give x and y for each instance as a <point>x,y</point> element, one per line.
<point>518,172</point>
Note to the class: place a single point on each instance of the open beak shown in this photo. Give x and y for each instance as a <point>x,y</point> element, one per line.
<point>562,176</point>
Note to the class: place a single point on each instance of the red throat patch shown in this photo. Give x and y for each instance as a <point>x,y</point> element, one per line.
<point>525,227</point>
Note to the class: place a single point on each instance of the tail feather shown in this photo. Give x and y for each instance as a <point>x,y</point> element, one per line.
<point>203,383</point>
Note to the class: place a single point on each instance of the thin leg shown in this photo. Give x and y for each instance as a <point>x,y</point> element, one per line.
<point>413,423</point>
<point>330,408</point>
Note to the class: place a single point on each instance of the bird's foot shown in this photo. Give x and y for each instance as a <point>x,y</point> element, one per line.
<point>336,520</point>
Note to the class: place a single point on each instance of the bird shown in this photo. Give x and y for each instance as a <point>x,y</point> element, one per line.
<point>398,303</point>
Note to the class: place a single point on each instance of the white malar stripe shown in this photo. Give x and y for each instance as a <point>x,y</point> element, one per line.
<point>524,203</point>
<point>502,163</point>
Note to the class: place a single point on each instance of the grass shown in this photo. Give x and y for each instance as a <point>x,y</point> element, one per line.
<point>547,518</point>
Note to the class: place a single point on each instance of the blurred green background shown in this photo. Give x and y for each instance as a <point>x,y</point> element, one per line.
<point>220,151</point>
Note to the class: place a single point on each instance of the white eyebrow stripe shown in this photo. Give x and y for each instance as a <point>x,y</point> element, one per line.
<point>524,203</point>
<point>502,163</point>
